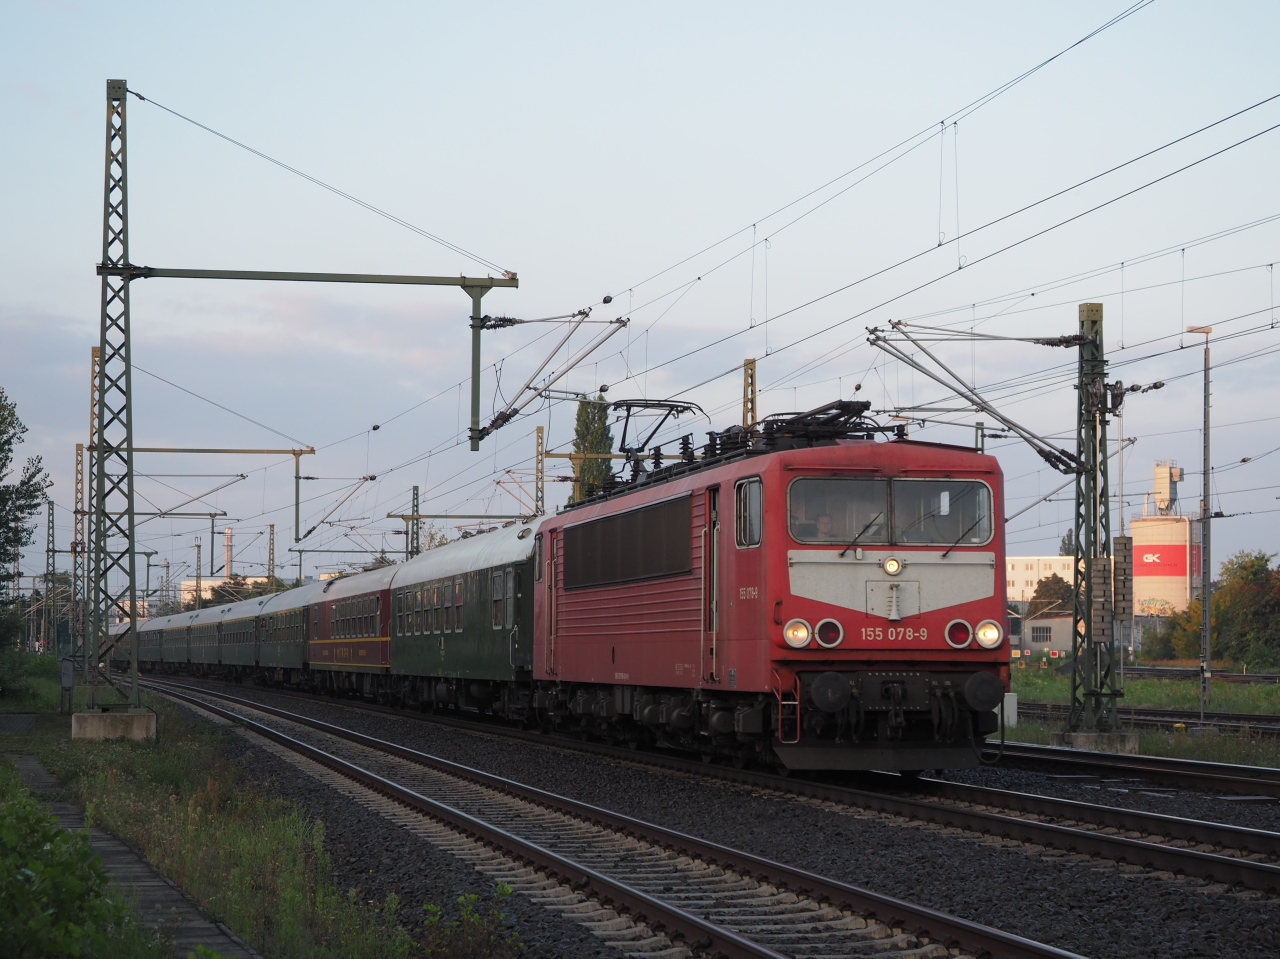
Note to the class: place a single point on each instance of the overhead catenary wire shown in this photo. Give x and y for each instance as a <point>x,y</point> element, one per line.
<point>475,258</point>
<point>1026,239</point>
<point>927,132</point>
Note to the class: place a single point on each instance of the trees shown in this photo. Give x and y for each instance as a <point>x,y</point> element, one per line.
<point>19,501</point>
<point>1246,617</point>
<point>1052,597</point>
<point>591,434</point>
<point>1067,547</point>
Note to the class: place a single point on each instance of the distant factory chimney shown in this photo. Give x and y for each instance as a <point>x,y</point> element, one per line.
<point>226,553</point>
<point>1168,475</point>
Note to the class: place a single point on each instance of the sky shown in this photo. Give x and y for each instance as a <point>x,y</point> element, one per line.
<point>743,179</point>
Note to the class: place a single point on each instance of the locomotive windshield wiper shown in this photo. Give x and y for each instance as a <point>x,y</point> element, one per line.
<point>972,527</point>
<point>861,531</point>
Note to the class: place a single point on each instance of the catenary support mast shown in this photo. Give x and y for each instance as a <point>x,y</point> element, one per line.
<point>114,545</point>
<point>1093,683</point>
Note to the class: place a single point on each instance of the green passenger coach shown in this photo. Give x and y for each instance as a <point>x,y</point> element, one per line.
<point>462,619</point>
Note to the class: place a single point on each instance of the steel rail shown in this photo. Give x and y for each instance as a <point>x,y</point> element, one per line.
<point>1258,722</point>
<point>1208,865</point>
<point>1185,773</point>
<point>1193,672</point>
<point>662,917</point>
<point>951,931</point>
<point>1136,820</point>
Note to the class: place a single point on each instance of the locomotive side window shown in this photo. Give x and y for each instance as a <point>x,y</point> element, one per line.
<point>642,543</point>
<point>840,511</point>
<point>747,512</point>
<point>941,512</point>
<point>537,558</point>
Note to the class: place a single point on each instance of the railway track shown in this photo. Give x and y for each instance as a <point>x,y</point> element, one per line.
<point>1193,672</point>
<point>1261,723</point>
<point>1233,855</point>
<point>676,894</point>
<point>1242,781</point>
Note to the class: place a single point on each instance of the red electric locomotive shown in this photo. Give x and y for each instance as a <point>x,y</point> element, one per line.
<point>807,593</point>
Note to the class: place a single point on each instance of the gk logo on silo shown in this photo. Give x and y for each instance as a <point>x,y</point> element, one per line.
<point>1151,557</point>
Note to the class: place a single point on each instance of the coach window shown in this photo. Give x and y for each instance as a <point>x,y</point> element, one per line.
<point>435,609</point>
<point>748,512</point>
<point>448,608</point>
<point>457,606</point>
<point>510,611</point>
<point>495,597</point>
<point>417,609</point>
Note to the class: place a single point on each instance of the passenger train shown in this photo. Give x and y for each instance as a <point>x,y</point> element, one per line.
<point>810,594</point>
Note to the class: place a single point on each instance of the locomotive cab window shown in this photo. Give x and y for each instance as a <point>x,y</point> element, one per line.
<point>941,512</point>
<point>839,511</point>
<point>747,512</point>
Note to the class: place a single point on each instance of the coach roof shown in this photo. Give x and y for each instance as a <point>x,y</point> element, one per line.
<point>512,544</point>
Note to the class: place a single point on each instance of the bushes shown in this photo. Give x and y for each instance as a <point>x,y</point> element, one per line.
<point>54,896</point>
<point>22,674</point>
<point>473,935</point>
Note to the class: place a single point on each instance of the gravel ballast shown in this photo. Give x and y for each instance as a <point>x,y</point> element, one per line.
<point>374,856</point>
<point>1088,907</point>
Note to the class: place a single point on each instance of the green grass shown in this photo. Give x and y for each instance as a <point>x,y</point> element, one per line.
<point>256,863</point>
<point>1215,747</point>
<point>1045,686</point>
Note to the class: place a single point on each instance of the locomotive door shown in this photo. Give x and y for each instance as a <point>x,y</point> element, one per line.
<point>711,586</point>
<point>743,655</point>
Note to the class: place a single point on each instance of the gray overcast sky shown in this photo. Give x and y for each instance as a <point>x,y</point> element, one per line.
<point>590,146</point>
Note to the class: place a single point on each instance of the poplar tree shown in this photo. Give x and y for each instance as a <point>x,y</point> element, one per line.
<point>591,434</point>
<point>19,502</point>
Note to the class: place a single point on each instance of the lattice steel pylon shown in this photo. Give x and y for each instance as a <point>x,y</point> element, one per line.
<point>49,625</point>
<point>114,561</point>
<point>76,617</point>
<point>414,533</point>
<point>1093,682</point>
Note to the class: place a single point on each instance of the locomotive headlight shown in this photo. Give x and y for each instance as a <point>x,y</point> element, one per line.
<point>796,634</point>
<point>892,566</point>
<point>989,634</point>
